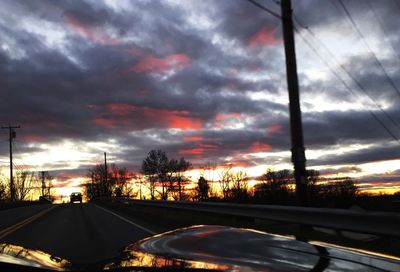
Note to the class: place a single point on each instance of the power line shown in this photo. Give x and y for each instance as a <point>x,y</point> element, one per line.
<point>17,148</point>
<point>11,131</point>
<point>353,23</point>
<point>276,15</point>
<point>347,86</point>
<point>369,4</point>
<point>276,2</point>
<point>358,83</point>
<point>337,75</point>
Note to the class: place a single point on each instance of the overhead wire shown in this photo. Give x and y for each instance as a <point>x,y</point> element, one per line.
<point>347,86</point>
<point>352,77</point>
<point>371,8</point>
<point>273,13</point>
<point>22,162</point>
<point>277,2</point>
<point>338,76</point>
<point>353,23</point>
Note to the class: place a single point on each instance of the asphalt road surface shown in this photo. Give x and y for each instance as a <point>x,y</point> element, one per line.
<point>80,233</point>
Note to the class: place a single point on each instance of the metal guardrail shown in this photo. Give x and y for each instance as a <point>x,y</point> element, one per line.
<point>377,223</point>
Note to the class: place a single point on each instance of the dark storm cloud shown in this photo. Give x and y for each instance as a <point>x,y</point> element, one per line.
<point>329,128</point>
<point>346,170</point>
<point>393,176</point>
<point>241,20</point>
<point>380,153</point>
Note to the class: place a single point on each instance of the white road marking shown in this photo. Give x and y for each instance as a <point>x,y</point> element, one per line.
<point>127,220</point>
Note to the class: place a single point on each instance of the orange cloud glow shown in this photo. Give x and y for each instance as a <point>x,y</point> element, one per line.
<point>259,147</point>
<point>168,118</point>
<point>193,139</point>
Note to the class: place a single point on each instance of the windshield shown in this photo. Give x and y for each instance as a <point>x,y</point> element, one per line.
<point>124,120</point>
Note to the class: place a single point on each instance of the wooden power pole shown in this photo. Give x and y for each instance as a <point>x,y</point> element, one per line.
<point>298,153</point>
<point>12,136</point>
<point>105,170</point>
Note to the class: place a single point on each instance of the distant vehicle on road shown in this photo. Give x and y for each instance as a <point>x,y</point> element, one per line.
<point>76,196</point>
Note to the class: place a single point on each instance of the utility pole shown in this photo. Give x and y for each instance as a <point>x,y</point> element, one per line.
<point>105,170</point>
<point>43,182</point>
<point>298,153</point>
<point>12,136</point>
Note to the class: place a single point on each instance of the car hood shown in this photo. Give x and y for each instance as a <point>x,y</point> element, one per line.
<point>215,248</point>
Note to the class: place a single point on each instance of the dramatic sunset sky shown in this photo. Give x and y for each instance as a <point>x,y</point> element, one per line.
<point>200,79</point>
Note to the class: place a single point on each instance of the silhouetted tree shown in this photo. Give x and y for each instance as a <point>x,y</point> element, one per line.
<point>120,179</point>
<point>3,191</point>
<point>313,188</point>
<point>99,185</point>
<point>225,181</point>
<point>46,184</point>
<point>176,176</point>
<point>25,182</point>
<point>155,167</point>
<point>202,189</point>
<point>340,189</point>
<point>239,188</point>
<point>3,187</point>
<point>275,186</point>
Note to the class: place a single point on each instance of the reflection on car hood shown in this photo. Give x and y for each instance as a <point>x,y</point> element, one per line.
<point>219,248</point>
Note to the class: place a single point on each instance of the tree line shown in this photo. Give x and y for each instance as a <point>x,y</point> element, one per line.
<point>27,185</point>
<point>166,178</point>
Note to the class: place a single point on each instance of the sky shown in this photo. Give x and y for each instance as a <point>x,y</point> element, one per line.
<point>204,80</point>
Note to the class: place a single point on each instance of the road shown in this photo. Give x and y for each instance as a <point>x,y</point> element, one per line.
<point>80,233</point>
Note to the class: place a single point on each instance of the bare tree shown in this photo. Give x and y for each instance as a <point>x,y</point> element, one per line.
<point>202,189</point>
<point>46,183</point>
<point>339,189</point>
<point>121,182</point>
<point>209,172</point>
<point>275,186</point>
<point>155,167</point>
<point>4,192</point>
<point>239,190</point>
<point>25,182</point>
<point>313,187</point>
<point>176,176</point>
<point>225,181</point>
<point>99,185</point>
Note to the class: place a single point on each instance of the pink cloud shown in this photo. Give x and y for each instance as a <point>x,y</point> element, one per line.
<point>87,31</point>
<point>105,122</point>
<point>193,139</point>
<point>259,147</point>
<point>198,150</point>
<point>221,118</point>
<point>192,151</point>
<point>276,128</point>
<point>151,64</point>
<point>264,38</point>
<point>123,113</point>
<point>32,138</point>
